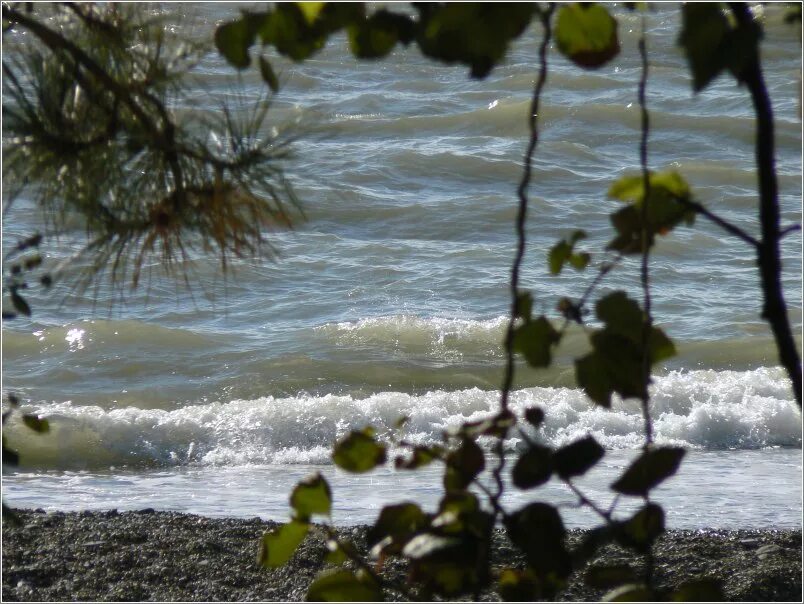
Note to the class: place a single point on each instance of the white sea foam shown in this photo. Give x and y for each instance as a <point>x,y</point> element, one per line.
<point>699,409</point>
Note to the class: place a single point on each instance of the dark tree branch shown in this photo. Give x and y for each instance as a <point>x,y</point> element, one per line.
<point>722,223</point>
<point>774,309</point>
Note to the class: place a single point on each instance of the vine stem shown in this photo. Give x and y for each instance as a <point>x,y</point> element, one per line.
<point>521,218</point>
<point>521,238</point>
<point>646,243</point>
<point>647,326</point>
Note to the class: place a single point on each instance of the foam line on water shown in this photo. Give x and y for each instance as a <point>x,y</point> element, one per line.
<point>710,410</point>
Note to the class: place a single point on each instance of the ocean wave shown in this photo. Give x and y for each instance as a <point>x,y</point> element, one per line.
<point>709,409</point>
<point>419,334</point>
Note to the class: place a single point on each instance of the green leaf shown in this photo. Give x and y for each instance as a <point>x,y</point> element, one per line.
<point>233,41</point>
<point>615,365</point>
<point>335,553</point>
<point>537,529</point>
<point>562,252</point>
<point>463,465</point>
<point>643,528</point>
<point>667,207</point>
<point>288,30</point>
<point>445,565</point>
<point>649,470</point>
<point>518,586</point>
<point>577,458</point>
<point>459,512</point>
<point>10,456</point>
<point>474,34</point>
<point>606,576</point>
<point>399,522</point>
<point>36,423</point>
<point>533,468</point>
<point>358,452</point>
<point>376,36</point>
<point>311,10</point>
<point>343,586</point>
<point>700,590</point>
<point>661,347</point>
<point>534,340</point>
<point>616,361</point>
<point>268,75</point>
<point>587,34</point>
<point>421,456</point>
<point>580,260</point>
<point>712,44</point>
<point>311,496</point>
<point>524,305</point>
<point>621,315</point>
<point>633,592</point>
<point>278,545</point>
<point>19,303</point>
<point>534,416</point>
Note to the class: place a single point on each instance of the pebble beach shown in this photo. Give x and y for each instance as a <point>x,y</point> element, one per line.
<point>167,556</point>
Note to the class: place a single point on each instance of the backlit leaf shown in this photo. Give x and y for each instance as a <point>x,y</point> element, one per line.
<point>278,545</point>
<point>586,34</point>
<point>518,586</point>
<point>311,10</point>
<point>358,452</point>
<point>343,586</point>
<point>311,496</point>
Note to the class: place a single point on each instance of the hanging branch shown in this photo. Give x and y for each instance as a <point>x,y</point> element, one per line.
<point>774,309</point>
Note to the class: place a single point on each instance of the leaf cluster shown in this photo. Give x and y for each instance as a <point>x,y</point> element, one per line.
<point>447,551</point>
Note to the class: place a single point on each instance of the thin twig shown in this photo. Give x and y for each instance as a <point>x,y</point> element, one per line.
<point>584,500</point>
<point>645,270</point>
<point>721,222</point>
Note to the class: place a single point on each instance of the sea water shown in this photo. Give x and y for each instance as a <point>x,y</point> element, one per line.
<point>390,298</point>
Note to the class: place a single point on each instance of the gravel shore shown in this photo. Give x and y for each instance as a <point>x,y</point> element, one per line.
<point>167,556</point>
